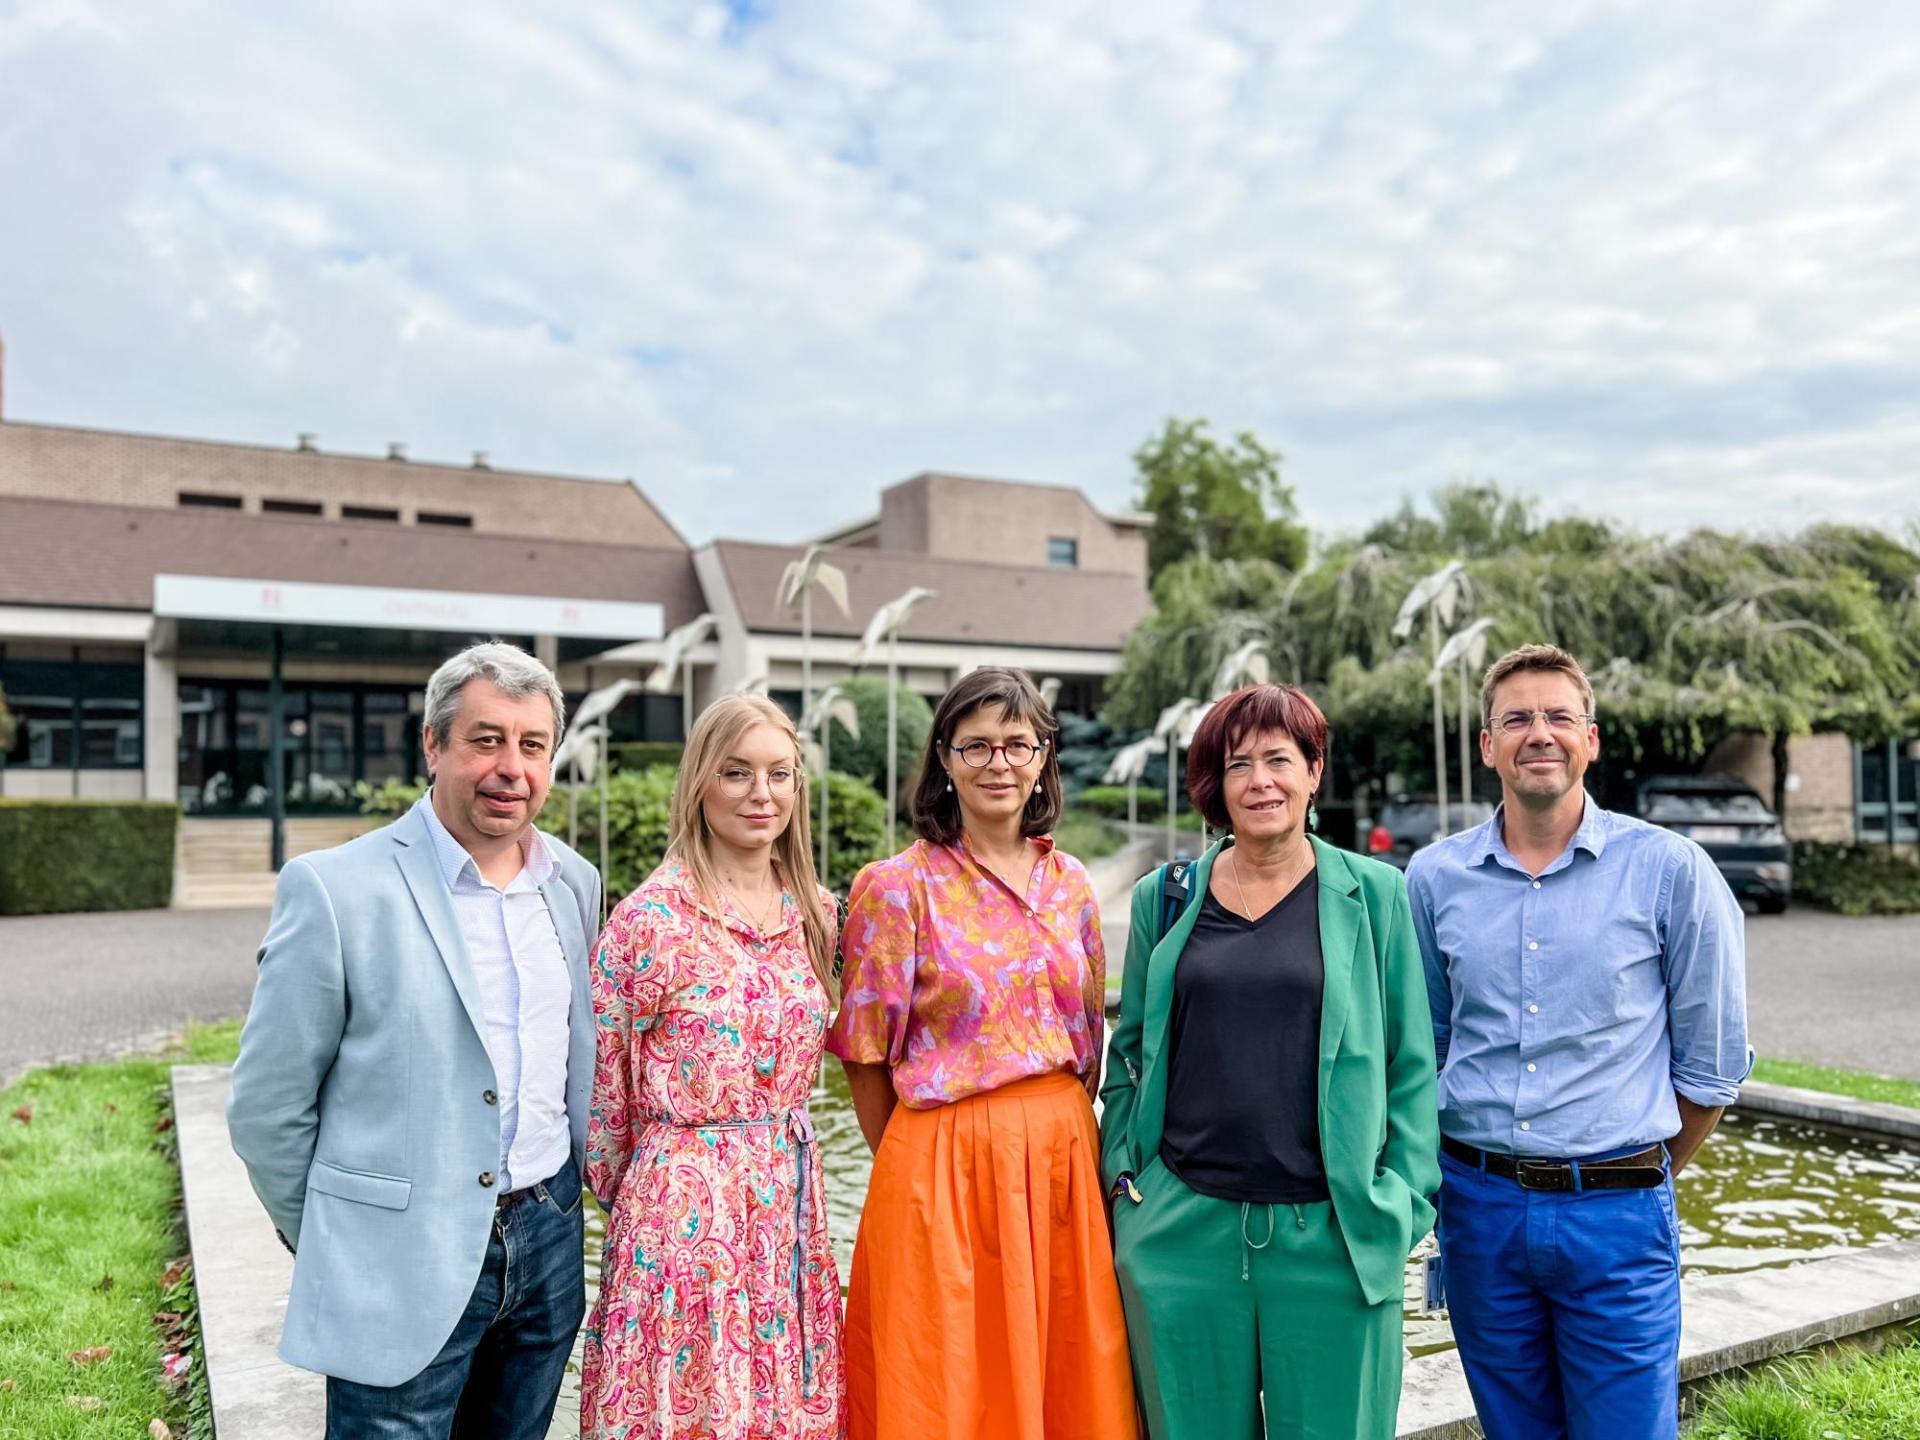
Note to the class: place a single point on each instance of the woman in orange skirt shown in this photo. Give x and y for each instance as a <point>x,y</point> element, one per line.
<point>983,1301</point>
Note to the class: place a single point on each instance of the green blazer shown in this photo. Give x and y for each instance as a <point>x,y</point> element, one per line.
<point>1379,1128</point>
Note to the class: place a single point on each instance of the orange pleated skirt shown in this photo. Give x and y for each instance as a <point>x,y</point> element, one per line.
<point>983,1304</point>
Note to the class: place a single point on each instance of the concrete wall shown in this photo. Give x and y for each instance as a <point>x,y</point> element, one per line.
<point>110,468</point>
<point>1820,780</point>
<point>19,783</point>
<point>1005,523</point>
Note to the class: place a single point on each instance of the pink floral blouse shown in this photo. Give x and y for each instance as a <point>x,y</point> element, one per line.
<point>961,986</point>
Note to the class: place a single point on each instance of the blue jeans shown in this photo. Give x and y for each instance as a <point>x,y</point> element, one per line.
<point>499,1373</point>
<point>1566,1307</point>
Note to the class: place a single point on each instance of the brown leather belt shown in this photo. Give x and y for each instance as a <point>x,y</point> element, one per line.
<point>1640,1171</point>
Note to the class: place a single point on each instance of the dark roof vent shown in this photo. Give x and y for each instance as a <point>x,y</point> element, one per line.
<point>396,450</point>
<point>308,443</point>
<point>482,460</point>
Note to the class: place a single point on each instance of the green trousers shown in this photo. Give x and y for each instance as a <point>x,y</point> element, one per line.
<point>1234,1310</point>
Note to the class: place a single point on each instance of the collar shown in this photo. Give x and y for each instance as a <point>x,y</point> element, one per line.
<point>1488,842</point>
<point>672,874</point>
<point>453,858</point>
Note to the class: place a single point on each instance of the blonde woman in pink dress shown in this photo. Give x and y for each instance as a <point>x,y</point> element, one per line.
<point>719,1309</point>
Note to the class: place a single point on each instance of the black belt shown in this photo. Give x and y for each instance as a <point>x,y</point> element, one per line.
<point>1640,1171</point>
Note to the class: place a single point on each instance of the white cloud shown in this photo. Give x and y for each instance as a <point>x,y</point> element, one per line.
<point>1659,262</point>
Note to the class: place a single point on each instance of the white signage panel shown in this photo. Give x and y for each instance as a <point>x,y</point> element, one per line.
<point>285,602</point>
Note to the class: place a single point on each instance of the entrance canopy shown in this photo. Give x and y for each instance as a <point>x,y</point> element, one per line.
<point>279,602</point>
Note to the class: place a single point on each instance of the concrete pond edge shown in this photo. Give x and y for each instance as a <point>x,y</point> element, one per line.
<point>1731,1321</point>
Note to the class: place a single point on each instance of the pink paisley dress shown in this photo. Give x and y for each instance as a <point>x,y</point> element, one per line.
<point>719,1309</point>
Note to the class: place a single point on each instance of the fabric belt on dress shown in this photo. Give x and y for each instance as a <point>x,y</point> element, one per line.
<point>1640,1171</point>
<point>799,1127</point>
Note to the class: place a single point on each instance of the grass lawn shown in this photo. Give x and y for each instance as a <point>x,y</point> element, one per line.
<point>90,1228</point>
<point>1865,1397</point>
<point>1854,1083</point>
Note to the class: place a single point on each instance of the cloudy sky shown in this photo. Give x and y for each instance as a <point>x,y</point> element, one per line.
<point>1655,261</point>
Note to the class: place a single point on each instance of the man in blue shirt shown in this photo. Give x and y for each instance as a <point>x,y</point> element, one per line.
<point>1587,977</point>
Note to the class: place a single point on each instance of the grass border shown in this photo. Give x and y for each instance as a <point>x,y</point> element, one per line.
<point>1856,1084</point>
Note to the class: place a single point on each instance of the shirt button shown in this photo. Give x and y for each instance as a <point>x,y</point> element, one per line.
<point>1525,1126</point>
<point>1533,1009</point>
<point>486,1178</point>
<point>1536,884</point>
<point>1531,1067</point>
<point>489,1097</point>
<point>1533,944</point>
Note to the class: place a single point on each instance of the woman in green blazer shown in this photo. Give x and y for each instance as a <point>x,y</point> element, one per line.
<point>1269,1133</point>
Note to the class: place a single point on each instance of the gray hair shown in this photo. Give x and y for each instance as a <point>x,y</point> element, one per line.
<point>516,672</point>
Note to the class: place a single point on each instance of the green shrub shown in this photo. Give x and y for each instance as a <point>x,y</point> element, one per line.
<point>1855,879</point>
<point>1110,801</point>
<point>391,799</point>
<point>638,805</point>
<point>60,855</point>
<point>1088,837</point>
<point>6,722</point>
<point>866,758</point>
<point>643,754</point>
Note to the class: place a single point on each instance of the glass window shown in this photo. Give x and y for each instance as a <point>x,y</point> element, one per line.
<point>1063,551</point>
<point>110,709</point>
<point>40,695</point>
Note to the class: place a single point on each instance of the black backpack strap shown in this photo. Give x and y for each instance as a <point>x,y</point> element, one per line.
<point>1175,883</point>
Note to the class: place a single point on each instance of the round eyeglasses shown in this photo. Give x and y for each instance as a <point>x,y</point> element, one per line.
<point>736,781</point>
<point>979,753</point>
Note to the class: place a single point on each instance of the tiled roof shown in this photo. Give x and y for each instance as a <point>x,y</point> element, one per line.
<point>977,602</point>
<point>56,552</point>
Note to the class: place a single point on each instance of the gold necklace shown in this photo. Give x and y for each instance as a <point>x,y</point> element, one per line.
<point>759,923</point>
<point>1246,909</point>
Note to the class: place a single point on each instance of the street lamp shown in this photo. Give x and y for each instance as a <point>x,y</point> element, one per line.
<point>676,654</point>
<point>1129,764</point>
<point>1168,728</point>
<point>885,625</point>
<point>1468,649</point>
<point>817,726</point>
<point>598,705</point>
<point>1439,594</point>
<point>796,585</point>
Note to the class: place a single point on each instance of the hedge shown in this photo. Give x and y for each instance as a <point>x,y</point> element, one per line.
<point>1150,805</point>
<point>643,754</point>
<point>1855,879</point>
<point>58,855</point>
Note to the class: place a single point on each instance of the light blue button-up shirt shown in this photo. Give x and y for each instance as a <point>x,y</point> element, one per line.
<point>521,970</point>
<point>1570,1006</point>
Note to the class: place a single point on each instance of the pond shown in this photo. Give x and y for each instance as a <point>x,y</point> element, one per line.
<point>1762,1192</point>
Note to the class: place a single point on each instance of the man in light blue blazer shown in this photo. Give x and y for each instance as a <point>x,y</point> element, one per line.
<point>411,1094</point>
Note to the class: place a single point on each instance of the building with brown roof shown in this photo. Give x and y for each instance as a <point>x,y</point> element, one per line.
<point>162,599</point>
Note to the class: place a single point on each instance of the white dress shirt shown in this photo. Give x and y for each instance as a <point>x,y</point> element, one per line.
<point>524,990</point>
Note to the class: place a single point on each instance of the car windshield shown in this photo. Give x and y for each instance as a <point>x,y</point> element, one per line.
<point>1706,805</point>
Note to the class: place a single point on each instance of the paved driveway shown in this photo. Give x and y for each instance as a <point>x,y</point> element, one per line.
<point>1839,992</point>
<point>83,987</point>
<point>1836,991</point>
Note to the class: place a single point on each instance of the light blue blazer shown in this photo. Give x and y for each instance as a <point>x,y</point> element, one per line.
<point>360,1103</point>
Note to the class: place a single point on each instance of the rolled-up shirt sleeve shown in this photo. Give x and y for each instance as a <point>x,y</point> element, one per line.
<point>1705,963</point>
<point>1439,992</point>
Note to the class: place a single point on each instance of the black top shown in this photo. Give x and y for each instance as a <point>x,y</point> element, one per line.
<point>1243,1099</point>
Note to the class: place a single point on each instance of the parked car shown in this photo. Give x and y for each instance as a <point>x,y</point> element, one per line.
<point>1733,825</point>
<point>1406,823</point>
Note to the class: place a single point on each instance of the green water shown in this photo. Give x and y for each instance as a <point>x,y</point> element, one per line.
<point>1761,1192</point>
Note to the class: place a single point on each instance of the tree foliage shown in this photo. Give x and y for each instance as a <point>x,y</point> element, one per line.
<point>867,756</point>
<point>1214,500</point>
<point>6,723</point>
<point>1687,639</point>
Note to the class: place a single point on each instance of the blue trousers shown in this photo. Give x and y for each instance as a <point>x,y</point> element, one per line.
<point>499,1373</point>
<point>1566,1307</point>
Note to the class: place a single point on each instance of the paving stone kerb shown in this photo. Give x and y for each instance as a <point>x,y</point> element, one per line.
<point>243,1274</point>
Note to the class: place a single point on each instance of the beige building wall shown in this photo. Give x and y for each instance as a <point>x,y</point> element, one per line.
<point>105,467</point>
<point>1819,780</point>
<point>1005,522</point>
